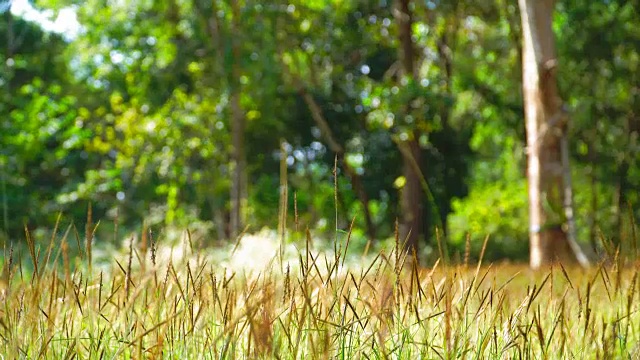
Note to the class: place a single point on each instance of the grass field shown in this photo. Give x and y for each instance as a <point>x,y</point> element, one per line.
<point>311,305</point>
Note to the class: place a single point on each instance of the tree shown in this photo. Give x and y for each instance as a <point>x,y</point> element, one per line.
<point>605,126</point>
<point>238,157</point>
<point>168,109</point>
<point>546,125</point>
<point>40,138</point>
<point>410,204</point>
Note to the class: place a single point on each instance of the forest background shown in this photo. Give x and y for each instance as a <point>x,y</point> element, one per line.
<point>189,115</point>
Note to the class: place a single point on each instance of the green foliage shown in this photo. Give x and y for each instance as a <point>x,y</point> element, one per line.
<point>498,210</point>
<point>134,114</point>
<point>41,136</point>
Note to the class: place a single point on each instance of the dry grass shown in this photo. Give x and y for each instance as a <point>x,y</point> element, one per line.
<point>316,307</point>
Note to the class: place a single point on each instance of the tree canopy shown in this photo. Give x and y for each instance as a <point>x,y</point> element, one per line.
<point>155,110</point>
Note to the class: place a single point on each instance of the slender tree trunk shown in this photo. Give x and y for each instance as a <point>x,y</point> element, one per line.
<point>238,163</point>
<point>8,88</point>
<point>446,47</point>
<point>411,199</point>
<point>548,240</point>
<point>623,186</point>
<point>593,214</point>
<point>238,157</point>
<point>570,222</point>
<point>620,202</point>
<point>411,194</point>
<point>546,126</point>
<point>217,33</point>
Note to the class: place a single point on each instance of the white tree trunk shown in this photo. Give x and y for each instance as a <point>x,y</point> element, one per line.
<point>546,127</point>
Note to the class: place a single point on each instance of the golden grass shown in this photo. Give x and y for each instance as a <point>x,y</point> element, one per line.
<point>316,307</point>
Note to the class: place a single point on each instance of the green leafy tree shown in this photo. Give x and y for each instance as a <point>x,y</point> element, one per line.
<point>41,134</point>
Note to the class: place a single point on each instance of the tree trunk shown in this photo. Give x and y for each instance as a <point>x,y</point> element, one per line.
<point>8,88</point>
<point>410,204</point>
<point>410,199</point>
<point>593,181</point>
<point>238,157</point>
<point>238,165</point>
<point>620,203</point>
<point>623,186</point>
<point>546,126</point>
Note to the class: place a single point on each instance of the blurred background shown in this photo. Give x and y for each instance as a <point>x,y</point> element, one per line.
<point>193,114</point>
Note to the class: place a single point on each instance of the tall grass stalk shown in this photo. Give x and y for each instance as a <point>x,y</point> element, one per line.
<point>316,305</point>
<point>319,307</point>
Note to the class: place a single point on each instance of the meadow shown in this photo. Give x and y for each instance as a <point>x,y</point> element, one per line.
<point>154,301</point>
<point>198,118</point>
